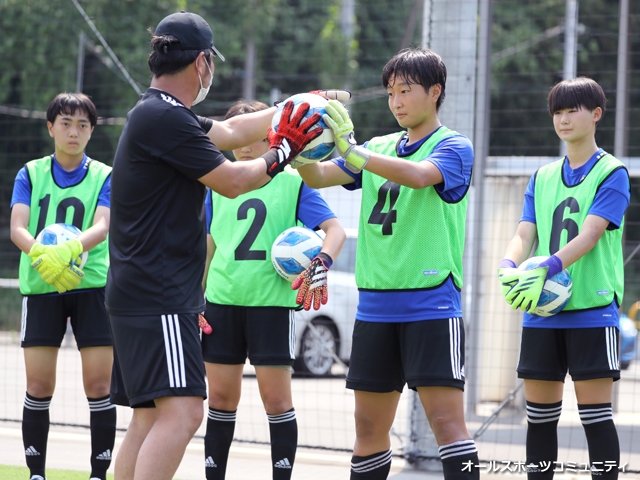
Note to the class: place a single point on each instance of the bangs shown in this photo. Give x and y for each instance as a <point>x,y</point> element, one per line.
<point>576,93</point>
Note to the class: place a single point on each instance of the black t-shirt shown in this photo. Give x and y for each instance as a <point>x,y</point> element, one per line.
<point>157,236</point>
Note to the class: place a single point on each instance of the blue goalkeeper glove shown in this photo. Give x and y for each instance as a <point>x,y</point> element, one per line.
<point>313,283</point>
<point>337,117</point>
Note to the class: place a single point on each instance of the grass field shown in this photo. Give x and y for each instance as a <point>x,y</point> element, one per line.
<point>22,473</point>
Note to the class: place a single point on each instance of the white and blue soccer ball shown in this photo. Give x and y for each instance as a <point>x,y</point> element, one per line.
<point>293,250</point>
<point>320,147</point>
<point>556,291</point>
<point>57,233</point>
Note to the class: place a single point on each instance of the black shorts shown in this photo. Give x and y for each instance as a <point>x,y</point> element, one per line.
<point>428,353</point>
<point>156,356</point>
<point>586,353</point>
<point>44,319</point>
<point>266,335</point>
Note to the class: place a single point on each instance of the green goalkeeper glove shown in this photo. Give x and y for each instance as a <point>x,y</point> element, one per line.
<point>527,289</point>
<point>507,267</point>
<point>337,117</point>
<point>69,278</point>
<point>57,257</point>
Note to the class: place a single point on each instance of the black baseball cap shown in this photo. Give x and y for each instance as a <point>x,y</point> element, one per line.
<point>191,30</point>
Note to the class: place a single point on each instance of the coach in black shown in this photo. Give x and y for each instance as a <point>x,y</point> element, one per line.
<point>165,158</point>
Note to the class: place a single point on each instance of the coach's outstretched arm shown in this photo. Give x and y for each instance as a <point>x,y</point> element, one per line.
<point>231,179</point>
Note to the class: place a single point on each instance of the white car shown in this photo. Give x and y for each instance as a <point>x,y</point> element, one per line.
<point>324,336</point>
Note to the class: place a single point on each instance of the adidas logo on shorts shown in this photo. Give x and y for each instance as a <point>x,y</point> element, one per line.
<point>31,452</point>
<point>284,463</point>
<point>106,455</point>
<point>209,463</point>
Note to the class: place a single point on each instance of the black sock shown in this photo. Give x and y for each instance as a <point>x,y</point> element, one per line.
<point>371,467</point>
<point>283,429</point>
<point>102,423</point>
<point>542,439</point>
<point>460,460</point>
<point>217,441</point>
<point>35,431</point>
<point>602,439</point>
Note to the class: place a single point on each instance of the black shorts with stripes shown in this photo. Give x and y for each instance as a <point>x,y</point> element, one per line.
<point>156,356</point>
<point>267,335</point>
<point>586,353</point>
<point>44,319</point>
<point>427,353</point>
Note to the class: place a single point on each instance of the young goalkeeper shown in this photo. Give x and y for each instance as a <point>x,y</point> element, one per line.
<point>574,208</point>
<point>65,187</point>
<point>250,307</point>
<point>409,327</point>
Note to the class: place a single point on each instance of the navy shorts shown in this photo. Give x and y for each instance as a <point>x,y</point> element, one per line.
<point>266,335</point>
<point>156,356</point>
<point>428,353</point>
<point>44,319</point>
<point>586,353</point>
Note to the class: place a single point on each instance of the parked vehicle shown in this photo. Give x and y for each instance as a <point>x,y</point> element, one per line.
<point>324,336</point>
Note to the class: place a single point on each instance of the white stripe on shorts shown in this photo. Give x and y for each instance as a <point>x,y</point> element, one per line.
<point>173,351</point>
<point>454,347</point>
<point>612,348</point>
<point>23,326</point>
<point>292,334</point>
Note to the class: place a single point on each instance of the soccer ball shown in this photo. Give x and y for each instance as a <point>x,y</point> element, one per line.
<point>59,233</point>
<point>556,291</point>
<point>293,250</point>
<point>320,147</point>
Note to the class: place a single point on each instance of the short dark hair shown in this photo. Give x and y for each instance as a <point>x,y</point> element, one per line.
<point>242,106</point>
<point>417,65</point>
<point>576,93</point>
<point>164,61</point>
<point>69,104</point>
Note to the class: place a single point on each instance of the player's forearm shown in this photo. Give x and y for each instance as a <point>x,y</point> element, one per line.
<point>334,238</point>
<point>323,174</point>
<point>22,238</point>
<point>409,174</point>
<point>241,130</point>
<point>521,244</point>
<point>97,233</point>
<point>582,244</point>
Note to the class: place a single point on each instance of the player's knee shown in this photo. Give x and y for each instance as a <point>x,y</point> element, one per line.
<point>370,427</point>
<point>41,388</point>
<point>446,425</point>
<point>97,388</point>
<point>221,400</point>
<point>275,405</point>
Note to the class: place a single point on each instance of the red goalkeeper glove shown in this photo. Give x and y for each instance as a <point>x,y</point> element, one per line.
<point>292,137</point>
<point>204,325</point>
<point>313,283</point>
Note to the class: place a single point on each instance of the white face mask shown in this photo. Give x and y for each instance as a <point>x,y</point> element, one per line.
<point>202,94</point>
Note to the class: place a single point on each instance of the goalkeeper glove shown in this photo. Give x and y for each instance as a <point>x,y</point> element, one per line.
<point>313,283</point>
<point>204,325</point>
<point>528,285</point>
<point>57,257</point>
<point>337,117</point>
<point>341,95</point>
<point>292,137</point>
<point>506,267</point>
<point>69,278</point>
